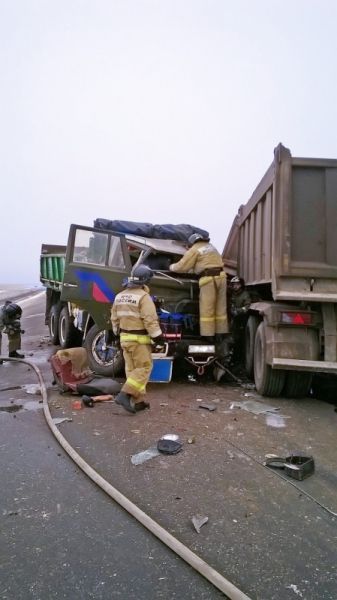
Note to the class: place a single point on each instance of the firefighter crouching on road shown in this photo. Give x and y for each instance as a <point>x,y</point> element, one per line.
<point>10,315</point>
<point>204,260</point>
<point>134,319</point>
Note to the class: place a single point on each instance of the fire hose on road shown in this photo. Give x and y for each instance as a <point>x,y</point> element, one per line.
<point>199,565</point>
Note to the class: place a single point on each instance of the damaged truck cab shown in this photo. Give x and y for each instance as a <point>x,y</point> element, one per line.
<point>83,278</point>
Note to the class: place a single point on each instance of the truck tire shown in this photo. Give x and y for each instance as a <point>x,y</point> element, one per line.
<point>297,385</point>
<point>250,333</point>
<point>268,382</point>
<point>53,324</point>
<point>109,365</point>
<point>69,336</point>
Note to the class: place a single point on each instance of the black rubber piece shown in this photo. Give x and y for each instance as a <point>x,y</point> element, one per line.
<point>88,401</point>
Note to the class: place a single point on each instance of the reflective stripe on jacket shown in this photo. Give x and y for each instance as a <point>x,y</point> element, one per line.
<point>135,337</point>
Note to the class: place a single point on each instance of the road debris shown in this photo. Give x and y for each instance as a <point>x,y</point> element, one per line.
<point>257,408</point>
<point>277,421</point>
<point>192,378</point>
<point>32,388</point>
<point>58,420</point>
<point>77,405</point>
<point>198,521</point>
<point>297,467</point>
<point>295,589</point>
<point>169,444</point>
<point>208,406</point>
<point>141,457</point>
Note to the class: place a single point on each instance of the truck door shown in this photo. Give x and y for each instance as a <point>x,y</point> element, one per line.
<point>96,263</point>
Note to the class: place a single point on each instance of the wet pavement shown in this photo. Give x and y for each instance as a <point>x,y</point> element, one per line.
<point>272,536</point>
<point>61,536</point>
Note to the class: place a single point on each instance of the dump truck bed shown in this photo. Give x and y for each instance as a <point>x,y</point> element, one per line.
<point>286,233</point>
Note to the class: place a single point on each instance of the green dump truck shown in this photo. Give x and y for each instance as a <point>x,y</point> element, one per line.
<point>283,243</point>
<point>82,279</point>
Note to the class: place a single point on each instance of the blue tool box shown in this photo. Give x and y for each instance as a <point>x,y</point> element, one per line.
<point>161,370</point>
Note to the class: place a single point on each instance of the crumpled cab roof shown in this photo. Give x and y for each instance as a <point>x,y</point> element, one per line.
<point>159,245</point>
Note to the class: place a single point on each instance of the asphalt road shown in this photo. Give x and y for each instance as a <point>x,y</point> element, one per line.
<point>273,537</point>
<point>61,536</point>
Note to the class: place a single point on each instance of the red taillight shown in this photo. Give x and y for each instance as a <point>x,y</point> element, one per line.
<point>296,318</point>
<point>171,331</point>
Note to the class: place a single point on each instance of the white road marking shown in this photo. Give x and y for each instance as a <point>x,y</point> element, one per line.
<point>37,315</point>
<point>30,298</point>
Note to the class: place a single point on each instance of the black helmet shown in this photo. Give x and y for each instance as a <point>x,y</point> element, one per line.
<point>12,310</point>
<point>140,276</point>
<point>196,237</point>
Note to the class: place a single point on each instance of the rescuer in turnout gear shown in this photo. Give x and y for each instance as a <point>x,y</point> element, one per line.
<point>240,298</point>
<point>240,303</point>
<point>10,315</point>
<point>204,260</point>
<point>134,319</point>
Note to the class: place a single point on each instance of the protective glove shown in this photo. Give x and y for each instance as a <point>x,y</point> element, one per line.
<point>158,344</point>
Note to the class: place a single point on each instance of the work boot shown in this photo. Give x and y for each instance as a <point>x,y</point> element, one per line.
<point>126,401</point>
<point>141,405</point>
<point>15,354</point>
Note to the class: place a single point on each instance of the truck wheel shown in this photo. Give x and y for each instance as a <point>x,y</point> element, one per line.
<point>268,382</point>
<point>107,362</point>
<point>69,336</point>
<point>53,324</point>
<point>250,333</point>
<point>297,385</point>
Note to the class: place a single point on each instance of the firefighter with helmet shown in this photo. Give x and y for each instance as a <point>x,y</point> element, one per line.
<point>239,303</point>
<point>10,315</point>
<point>134,319</point>
<point>240,298</point>
<point>203,259</point>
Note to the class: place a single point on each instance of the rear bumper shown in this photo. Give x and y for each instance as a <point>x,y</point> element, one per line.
<point>292,364</point>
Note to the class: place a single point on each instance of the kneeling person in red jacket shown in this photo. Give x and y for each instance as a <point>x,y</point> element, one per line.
<point>134,319</point>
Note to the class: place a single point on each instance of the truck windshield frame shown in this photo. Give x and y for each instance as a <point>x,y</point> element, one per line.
<point>97,248</point>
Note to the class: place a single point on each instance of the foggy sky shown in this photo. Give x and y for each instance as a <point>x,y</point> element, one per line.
<point>164,111</point>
